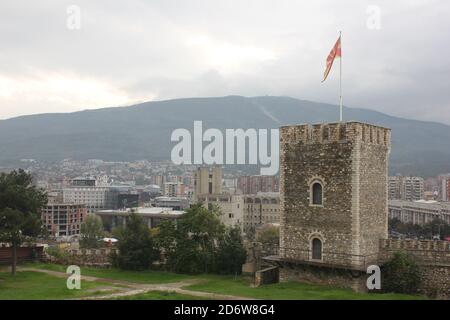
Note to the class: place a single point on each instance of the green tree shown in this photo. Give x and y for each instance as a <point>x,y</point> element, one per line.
<point>231,254</point>
<point>198,231</point>
<point>20,205</point>
<point>269,236</point>
<point>91,232</point>
<point>401,274</point>
<point>136,247</point>
<point>165,237</point>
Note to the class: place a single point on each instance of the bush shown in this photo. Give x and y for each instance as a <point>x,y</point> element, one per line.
<point>401,274</point>
<point>59,255</point>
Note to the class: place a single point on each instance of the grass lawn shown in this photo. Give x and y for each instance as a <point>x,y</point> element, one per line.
<point>230,285</point>
<point>28,285</point>
<point>287,290</point>
<point>147,276</point>
<point>160,295</point>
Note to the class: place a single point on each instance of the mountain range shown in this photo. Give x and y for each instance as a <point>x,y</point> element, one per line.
<point>143,131</point>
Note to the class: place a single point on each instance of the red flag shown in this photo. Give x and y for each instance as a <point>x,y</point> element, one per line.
<point>334,53</point>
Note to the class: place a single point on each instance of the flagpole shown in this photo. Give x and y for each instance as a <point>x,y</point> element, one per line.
<point>340,79</point>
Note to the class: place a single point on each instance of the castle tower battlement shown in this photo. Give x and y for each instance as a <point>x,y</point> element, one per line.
<point>333,189</point>
<point>336,132</point>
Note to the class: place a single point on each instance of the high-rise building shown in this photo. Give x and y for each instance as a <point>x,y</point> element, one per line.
<point>173,189</point>
<point>413,188</point>
<point>208,181</point>
<point>444,187</point>
<point>395,187</point>
<point>406,188</point>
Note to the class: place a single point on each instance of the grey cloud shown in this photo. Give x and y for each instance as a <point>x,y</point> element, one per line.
<point>144,48</point>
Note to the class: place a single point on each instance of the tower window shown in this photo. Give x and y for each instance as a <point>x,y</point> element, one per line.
<point>316,193</point>
<point>316,249</point>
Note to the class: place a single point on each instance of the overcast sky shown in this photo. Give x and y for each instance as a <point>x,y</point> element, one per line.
<point>131,51</point>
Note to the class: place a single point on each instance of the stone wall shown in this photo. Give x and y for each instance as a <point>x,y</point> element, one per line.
<point>426,252</point>
<point>342,278</point>
<point>350,161</point>
<point>84,257</point>
<point>267,276</point>
<point>433,258</point>
<point>436,281</point>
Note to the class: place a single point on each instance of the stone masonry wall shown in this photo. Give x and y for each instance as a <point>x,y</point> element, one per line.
<point>350,160</point>
<point>342,278</point>
<point>373,193</point>
<point>433,258</point>
<point>267,276</point>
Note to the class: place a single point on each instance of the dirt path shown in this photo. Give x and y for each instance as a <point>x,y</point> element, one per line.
<point>127,288</point>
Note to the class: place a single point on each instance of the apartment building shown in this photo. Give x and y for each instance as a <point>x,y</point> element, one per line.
<point>406,188</point>
<point>62,219</point>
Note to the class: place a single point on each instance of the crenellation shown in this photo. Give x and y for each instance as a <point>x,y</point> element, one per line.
<point>335,132</point>
<point>418,245</point>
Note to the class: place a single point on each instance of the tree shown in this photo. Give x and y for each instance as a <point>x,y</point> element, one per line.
<point>91,232</point>
<point>136,248</point>
<point>20,205</point>
<point>165,237</point>
<point>231,254</point>
<point>426,231</point>
<point>269,236</point>
<point>198,231</point>
<point>401,274</point>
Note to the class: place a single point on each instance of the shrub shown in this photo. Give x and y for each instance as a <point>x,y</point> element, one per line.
<point>401,274</point>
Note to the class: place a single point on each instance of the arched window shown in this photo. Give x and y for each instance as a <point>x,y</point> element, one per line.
<point>316,249</point>
<point>317,193</point>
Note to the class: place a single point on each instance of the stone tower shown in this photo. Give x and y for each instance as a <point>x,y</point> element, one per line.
<point>333,185</point>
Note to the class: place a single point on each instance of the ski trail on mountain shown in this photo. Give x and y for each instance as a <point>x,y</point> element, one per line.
<point>263,109</point>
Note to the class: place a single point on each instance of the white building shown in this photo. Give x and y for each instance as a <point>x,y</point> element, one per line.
<point>247,211</point>
<point>95,198</point>
<point>419,212</point>
<point>152,216</point>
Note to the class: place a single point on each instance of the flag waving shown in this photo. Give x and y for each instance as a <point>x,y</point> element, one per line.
<point>334,53</point>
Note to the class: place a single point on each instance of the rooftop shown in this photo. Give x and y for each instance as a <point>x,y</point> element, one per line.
<point>143,211</point>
